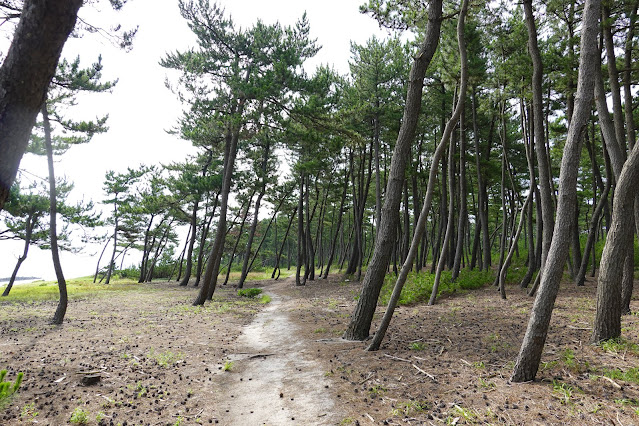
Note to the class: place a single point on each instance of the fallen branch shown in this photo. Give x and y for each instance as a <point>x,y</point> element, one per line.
<point>397,358</point>
<point>615,384</point>
<point>422,371</point>
<point>366,379</point>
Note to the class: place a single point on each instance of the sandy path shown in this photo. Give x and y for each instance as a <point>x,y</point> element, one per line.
<point>273,380</point>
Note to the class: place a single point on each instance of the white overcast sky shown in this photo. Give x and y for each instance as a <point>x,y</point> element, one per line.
<point>141,109</point>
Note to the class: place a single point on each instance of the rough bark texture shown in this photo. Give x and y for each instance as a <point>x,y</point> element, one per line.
<point>547,211</point>
<point>608,316</point>
<point>529,356</point>
<point>209,281</point>
<point>432,177</point>
<point>360,323</point>
<point>25,75</point>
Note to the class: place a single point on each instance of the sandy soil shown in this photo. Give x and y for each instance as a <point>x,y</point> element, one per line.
<point>162,362</point>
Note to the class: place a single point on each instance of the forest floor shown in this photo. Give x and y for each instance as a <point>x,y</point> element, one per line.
<point>237,361</point>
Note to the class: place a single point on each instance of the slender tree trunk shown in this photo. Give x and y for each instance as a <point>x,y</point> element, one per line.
<point>529,356</point>
<point>116,229</point>
<point>301,238</point>
<point>189,254</point>
<point>339,221</point>
<point>449,227</point>
<point>504,269</point>
<point>423,216</point>
<point>205,233</point>
<point>481,189</point>
<point>594,222</point>
<point>97,267</point>
<point>547,210</point>
<point>61,310</point>
<point>463,194</point>
<point>360,323</point>
<point>31,219</point>
<point>279,254</point>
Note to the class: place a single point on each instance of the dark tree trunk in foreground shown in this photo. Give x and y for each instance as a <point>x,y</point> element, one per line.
<point>61,310</point>
<point>360,323</point>
<point>25,75</point>
<point>213,265</point>
<point>609,309</point>
<point>532,346</point>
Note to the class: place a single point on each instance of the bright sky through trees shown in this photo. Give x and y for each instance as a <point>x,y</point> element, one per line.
<point>141,109</point>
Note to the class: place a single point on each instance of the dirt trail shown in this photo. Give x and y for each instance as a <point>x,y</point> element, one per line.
<point>273,380</point>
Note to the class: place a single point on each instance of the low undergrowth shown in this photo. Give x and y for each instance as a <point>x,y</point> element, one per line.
<point>419,285</point>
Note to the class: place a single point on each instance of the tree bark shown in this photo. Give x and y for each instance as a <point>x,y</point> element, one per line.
<point>213,265</point>
<point>61,310</point>
<point>547,210</point>
<point>529,356</point>
<point>607,323</point>
<point>423,216</point>
<point>25,75</point>
<point>359,326</point>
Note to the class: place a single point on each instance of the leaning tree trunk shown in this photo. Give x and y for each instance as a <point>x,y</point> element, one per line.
<point>359,326</point>
<point>27,242</point>
<point>608,315</point>
<point>25,75</point>
<point>594,222</point>
<point>449,226</point>
<point>203,237</point>
<point>547,211</point>
<point>430,189</point>
<point>61,310</point>
<point>213,265</point>
<point>529,356</point>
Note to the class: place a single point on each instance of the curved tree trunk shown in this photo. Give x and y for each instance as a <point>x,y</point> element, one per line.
<point>423,216</point>
<point>529,356</point>
<point>609,309</point>
<point>27,242</point>
<point>25,76</point>
<point>547,210</point>
<point>61,310</point>
<point>359,326</point>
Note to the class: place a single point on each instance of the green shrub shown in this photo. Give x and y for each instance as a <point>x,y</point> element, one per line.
<point>249,292</point>
<point>79,416</point>
<point>7,389</point>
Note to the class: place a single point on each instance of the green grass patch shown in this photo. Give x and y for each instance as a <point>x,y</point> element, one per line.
<point>419,286</point>
<point>166,359</point>
<point>630,375</point>
<point>76,287</point>
<point>620,345</point>
<point>249,292</point>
